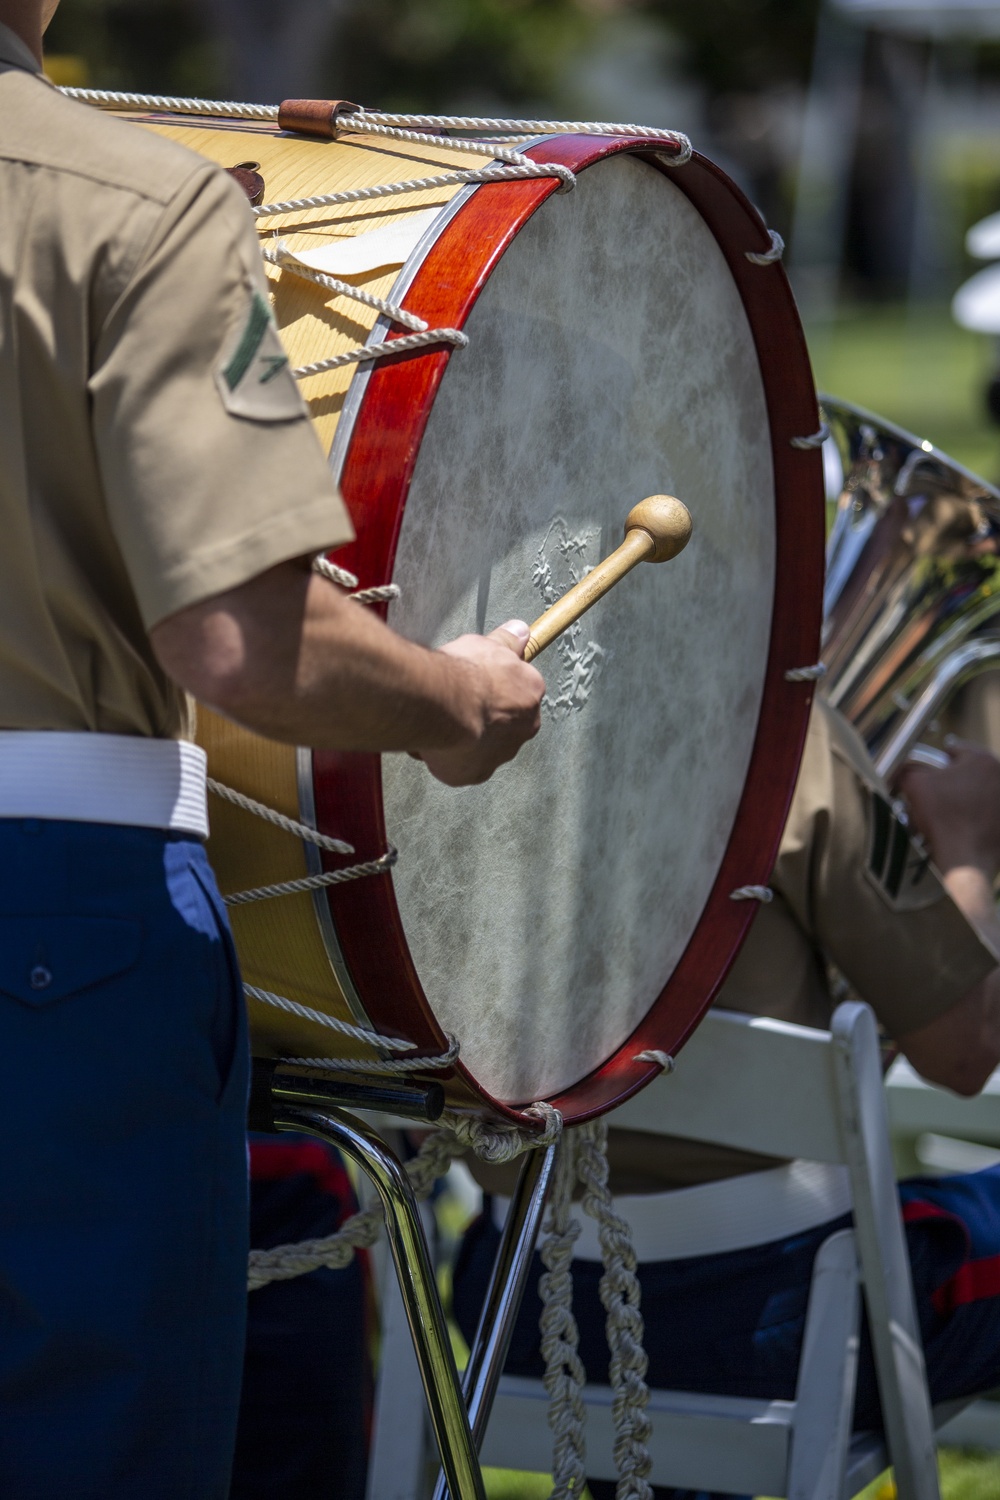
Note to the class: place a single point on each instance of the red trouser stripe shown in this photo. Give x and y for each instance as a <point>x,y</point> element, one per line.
<point>976,1281</point>
<point>275,1162</point>
<point>918,1209</point>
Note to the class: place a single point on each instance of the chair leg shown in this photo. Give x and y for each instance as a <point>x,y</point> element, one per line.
<point>508,1281</point>
<point>824,1397</point>
<point>417,1284</point>
<point>398,1456</point>
<point>885,1264</point>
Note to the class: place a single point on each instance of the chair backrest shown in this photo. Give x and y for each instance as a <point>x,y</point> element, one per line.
<point>785,1090</point>
<point>916,1107</point>
<point>750,1082</point>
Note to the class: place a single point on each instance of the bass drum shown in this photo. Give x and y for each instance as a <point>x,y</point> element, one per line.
<point>569,921</point>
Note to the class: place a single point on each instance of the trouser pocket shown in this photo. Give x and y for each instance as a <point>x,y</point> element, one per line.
<point>229,1024</point>
<point>48,958</point>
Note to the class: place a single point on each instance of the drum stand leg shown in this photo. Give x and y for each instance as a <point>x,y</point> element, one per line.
<point>508,1281</point>
<point>445,1402</point>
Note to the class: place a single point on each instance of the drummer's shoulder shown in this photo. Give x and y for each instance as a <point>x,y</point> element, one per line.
<point>99,148</point>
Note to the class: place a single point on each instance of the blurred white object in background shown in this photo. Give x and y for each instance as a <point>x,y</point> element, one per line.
<point>959,18</point>
<point>976,304</point>
<point>983,239</point>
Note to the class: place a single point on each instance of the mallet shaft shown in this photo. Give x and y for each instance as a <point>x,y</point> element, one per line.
<point>636,547</point>
<point>657,528</point>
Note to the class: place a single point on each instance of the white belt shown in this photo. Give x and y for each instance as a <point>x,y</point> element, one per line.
<point>103,778</point>
<point>720,1216</point>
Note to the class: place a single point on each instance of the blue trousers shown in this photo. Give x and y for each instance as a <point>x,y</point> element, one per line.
<point>304,1413</point>
<point>123,1205</point>
<point>733,1324</point>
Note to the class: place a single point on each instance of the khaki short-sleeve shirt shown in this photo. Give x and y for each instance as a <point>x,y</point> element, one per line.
<point>853,888</point>
<point>154,448</point>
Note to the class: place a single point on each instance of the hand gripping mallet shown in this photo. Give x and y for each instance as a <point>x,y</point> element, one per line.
<point>655,530</point>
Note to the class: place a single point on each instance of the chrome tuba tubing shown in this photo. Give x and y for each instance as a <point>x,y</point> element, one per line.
<point>912,605</point>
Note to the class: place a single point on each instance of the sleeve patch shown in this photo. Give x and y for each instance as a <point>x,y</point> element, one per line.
<point>246,350</point>
<point>254,377</point>
<point>898,866</point>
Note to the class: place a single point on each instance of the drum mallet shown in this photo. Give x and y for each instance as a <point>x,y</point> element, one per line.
<point>655,530</point>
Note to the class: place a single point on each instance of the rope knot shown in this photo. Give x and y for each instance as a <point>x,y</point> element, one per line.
<point>762,893</point>
<point>552,1123</point>
<point>500,1143</point>
<point>767,257</point>
<point>685,150</point>
<point>814,440</point>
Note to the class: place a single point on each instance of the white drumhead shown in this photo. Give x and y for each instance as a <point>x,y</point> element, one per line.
<point>609,358</point>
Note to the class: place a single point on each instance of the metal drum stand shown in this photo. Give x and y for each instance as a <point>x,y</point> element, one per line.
<point>459,1411</point>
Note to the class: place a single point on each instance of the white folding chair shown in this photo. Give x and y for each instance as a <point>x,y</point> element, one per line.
<point>964,1135</point>
<point>402,1445</point>
<point>782,1090</point>
<point>918,1108</point>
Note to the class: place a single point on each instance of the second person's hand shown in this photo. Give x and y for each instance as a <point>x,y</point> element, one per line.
<point>957,809</point>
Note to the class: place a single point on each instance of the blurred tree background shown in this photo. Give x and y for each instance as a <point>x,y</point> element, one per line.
<point>870,147</point>
<point>735,74</point>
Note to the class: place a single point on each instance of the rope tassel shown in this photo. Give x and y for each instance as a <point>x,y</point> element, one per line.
<point>620,1296</point>
<point>565,1376</point>
<point>583,1158</point>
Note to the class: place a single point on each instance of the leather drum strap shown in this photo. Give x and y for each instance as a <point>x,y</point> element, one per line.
<point>320,117</point>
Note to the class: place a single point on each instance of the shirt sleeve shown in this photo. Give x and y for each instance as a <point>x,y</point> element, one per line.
<point>211,469</point>
<point>864,889</point>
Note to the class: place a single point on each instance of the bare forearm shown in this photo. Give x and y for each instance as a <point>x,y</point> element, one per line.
<point>294,659</point>
<point>978,1054</point>
<point>962,1048</point>
<point>957,810</point>
<point>970,886</point>
<point>401,696</point>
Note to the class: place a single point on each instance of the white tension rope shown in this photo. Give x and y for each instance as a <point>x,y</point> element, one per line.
<point>506,164</point>
<point>378,120</point>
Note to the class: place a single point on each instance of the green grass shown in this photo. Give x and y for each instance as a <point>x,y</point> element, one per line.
<point>970,1476</point>
<point>508,1484</point>
<point>917,368</point>
<point>964,1476</point>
